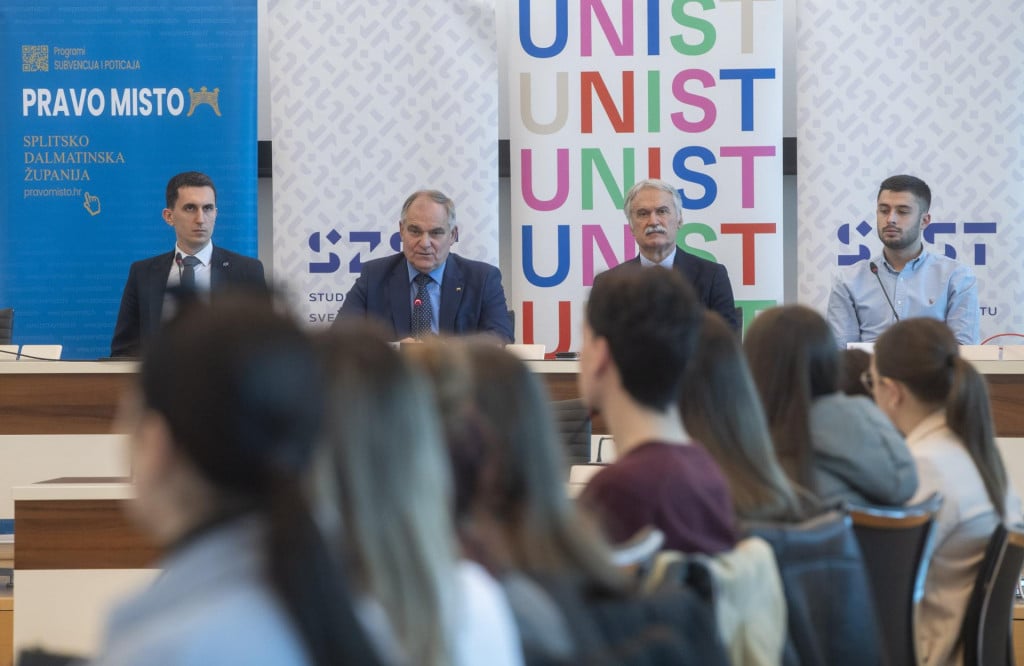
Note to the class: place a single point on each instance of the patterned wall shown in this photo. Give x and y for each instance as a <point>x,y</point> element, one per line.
<point>933,89</point>
<point>370,102</point>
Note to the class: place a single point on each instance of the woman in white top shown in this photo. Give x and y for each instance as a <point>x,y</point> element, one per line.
<point>940,402</point>
<point>386,493</point>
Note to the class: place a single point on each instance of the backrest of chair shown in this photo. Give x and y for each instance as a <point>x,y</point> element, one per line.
<point>572,418</point>
<point>987,635</point>
<point>830,611</point>
<point>894,542</point>
<point>6,325</point>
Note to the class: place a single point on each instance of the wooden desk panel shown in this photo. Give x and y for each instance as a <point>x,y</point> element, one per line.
<point>65,403</point>
<point>79,534</point>
<point>82,398</point>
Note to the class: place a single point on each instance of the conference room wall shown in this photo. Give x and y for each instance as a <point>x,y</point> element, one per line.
<point>786,263</point>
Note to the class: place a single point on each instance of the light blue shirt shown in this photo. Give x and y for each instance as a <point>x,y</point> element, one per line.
<point>931,285</point>
<point>433,291</point>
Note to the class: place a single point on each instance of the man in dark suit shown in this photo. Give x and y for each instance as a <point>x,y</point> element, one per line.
<point>194,265</point>
<point>654,210</point>
<point>425,289</point>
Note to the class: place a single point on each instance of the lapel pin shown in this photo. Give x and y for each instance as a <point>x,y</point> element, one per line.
<point>458,290</point>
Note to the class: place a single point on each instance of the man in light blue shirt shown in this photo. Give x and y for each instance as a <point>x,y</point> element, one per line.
<point>904,280</point>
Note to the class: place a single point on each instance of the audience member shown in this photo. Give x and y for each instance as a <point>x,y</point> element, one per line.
<point>515,516</point>
<point>941,403</point>
<point>639,333</point>
<point>195,264</point>
<point>654,211</point>
<point>221,432</point>
<point>425,289</point>
<point>386,487</point>
<point>837,446</point>
<point>721,410</point>
<point>853,363</point>
<point>903,280</point>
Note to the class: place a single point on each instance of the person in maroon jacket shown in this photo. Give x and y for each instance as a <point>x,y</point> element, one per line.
<point>640,330</point>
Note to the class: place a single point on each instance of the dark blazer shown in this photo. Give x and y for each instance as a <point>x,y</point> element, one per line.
<point>709,280</point>
<point>472,299</point>
<point>143,299</point>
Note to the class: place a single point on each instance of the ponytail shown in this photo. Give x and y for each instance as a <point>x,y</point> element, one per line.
<point>923,354</point>
<point>969,415</point>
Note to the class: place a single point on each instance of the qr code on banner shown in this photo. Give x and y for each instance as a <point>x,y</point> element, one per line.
<point>35,58</point>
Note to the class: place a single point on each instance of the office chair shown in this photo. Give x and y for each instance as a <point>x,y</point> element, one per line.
<point>987,635</point>
<point>572,419</point>
<point>6,325</point>
<point>830,611</point>
<point>895,544</point>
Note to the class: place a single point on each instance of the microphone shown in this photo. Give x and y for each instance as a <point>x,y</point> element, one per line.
<point>874,270</point>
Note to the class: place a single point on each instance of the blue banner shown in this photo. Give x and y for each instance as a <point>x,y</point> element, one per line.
<point>102,103</point>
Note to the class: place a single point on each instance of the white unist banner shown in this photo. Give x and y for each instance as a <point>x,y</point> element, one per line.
<point>370,102</point>
<point>604,93</point>
<point>937,94</point>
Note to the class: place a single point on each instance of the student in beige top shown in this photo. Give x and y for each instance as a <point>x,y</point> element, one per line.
<point>940,402</point>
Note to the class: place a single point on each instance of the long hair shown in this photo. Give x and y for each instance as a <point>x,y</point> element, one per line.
<point>721,409</point>
<point>526,492</point>
<point>793,359</point>
<point>509,464</point>
<point>923,354</point>
<point>388,479</point>
<point>240,390</point>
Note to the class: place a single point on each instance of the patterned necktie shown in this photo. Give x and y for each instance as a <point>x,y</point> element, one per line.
<point>422,312</point>
<point>188,271</point>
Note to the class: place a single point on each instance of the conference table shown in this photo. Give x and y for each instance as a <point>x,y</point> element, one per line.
<point>65,480</point>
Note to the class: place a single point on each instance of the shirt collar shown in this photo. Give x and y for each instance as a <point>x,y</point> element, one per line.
<point>667,262</point>
<point>437,274</point>
<point>204,255</point>
<point>913,264</point>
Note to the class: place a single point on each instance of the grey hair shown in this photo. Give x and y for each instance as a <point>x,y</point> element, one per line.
<point>438,197</point>
<point>653,184</point>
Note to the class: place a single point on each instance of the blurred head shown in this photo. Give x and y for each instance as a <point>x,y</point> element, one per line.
<point>793,359</point>
<point>853,363</point>
<point>916,369</point>
<point>645,322</point>
<point>385,479</point>
<point>230,399</point>
<point>721,409</point>
<point>654,210</point>
<point>520,507</point>
<point>191,209</point>
<point>427,228</point>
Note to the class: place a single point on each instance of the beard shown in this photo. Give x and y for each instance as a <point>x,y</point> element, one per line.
<point>908,238</point>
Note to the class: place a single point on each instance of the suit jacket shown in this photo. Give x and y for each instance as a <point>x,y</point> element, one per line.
<point>143,299</point>
<point>709,280</point>
<point>472,299</point>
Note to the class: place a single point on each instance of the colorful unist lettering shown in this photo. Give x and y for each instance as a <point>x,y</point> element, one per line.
<point>606,93</point>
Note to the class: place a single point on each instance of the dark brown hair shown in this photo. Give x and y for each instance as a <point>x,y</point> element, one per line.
<point>794,359</point>
<point>923,354</point>
<point>722,410</point>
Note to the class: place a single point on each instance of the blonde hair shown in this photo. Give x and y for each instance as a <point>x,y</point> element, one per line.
<point>389,479</point>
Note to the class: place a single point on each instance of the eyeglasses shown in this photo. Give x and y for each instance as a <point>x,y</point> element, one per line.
<point>868,381</point>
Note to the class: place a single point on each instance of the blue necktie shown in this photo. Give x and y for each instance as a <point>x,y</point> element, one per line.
<point>422,311</point>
